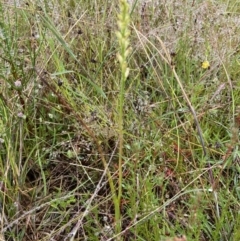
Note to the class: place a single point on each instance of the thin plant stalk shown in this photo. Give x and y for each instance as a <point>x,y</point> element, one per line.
<point>123,39</point>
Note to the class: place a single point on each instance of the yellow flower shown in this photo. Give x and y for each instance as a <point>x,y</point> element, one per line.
<point>205,64</point>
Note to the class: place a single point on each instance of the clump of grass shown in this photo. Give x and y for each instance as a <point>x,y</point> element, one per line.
<point>98,142</point>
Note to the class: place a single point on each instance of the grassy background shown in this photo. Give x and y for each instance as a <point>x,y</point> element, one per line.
<point>60,131</point>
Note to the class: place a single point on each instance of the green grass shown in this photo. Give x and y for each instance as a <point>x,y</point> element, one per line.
<point>89,152</point>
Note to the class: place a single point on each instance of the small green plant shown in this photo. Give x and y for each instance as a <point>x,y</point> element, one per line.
<point>122,55</point>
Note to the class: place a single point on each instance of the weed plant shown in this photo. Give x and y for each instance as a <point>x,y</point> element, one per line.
<point>119,120</point>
